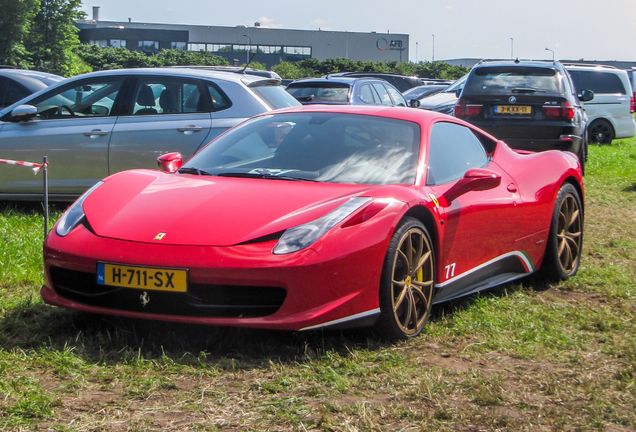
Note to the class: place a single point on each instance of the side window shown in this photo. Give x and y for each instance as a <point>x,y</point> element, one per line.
<point>452,150</point>
<point>398,99</point>
<point>90,98</point>
<point>602,82</point>
<point>576,80</point>
<point>384,96</point>
<point>3,89</point>
<point>366,94</point>
<point>218,101</point>
<point>14,94</point>
<point>158,95</point>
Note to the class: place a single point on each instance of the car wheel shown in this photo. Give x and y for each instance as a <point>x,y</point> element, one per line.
<point>601,132</point>
<point>563,250</point>
<point>406,287</point>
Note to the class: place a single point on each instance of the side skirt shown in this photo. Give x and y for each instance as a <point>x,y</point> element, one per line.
<point>500,270</point>
<point>363,319</point>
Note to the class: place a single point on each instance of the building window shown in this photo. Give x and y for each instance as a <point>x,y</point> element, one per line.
<point>102,43</point>
<point>178,45</point>
<point>118,43</point>
<point>149,45</point>
<point>297,50</point>
<point>219,48</point>
<point>196,47</point>
<point>266,49</point>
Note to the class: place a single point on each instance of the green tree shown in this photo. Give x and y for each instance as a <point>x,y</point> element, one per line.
<point>187,58</point>
<point>53,35</point>
<point>15,24</point>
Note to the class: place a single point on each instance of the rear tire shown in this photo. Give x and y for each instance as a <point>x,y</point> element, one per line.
<point>601,132</point>
<point>563,250</point>
<point>407,282</point>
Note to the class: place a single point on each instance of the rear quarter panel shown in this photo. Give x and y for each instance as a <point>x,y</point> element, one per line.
<point>538,176</point>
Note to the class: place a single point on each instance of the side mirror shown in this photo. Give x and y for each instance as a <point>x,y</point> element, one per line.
<point>170,162</point>
<point>24,112</point>
<point>586,95</point>
<point>415,103</point>
<point>475,179</point>
<point>458,93</point>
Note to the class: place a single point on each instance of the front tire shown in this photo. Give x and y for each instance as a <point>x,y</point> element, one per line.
<point>563,250</point>
<point>407,282</point>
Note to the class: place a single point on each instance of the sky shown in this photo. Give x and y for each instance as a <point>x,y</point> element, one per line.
<point>573,29</point>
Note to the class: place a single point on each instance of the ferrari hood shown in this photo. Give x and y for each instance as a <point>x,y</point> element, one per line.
<point>151,206</point>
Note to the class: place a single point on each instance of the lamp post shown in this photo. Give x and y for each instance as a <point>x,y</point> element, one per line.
<point>433,60</point>
<point>248,48</point>
<point>415,52</point>
<point>548,49</point>
<point>512,44</point>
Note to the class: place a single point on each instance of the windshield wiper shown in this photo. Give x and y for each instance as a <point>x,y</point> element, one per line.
<point>192,170</point>
<point>264,176</point>
<point>527,90</point>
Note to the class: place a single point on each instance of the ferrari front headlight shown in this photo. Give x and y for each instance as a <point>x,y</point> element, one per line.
<point>301,236</point>
<point>74,214</point>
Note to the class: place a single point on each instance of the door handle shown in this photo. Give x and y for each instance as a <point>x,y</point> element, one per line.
<point>96,132</point>
<point>512,188</point>
<point>191,128</point>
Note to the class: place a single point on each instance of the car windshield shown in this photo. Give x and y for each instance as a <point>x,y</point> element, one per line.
<point>508,80</point>
<point>324,147</point>
<point>457,85</point>
<point>319,92</point>
<point>275,96</point>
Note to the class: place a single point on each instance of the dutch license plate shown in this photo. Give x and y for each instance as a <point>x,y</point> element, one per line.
<point>512,109</point>
<point>146,278</point>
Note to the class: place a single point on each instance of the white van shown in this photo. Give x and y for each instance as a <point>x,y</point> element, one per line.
<point>611,112</point>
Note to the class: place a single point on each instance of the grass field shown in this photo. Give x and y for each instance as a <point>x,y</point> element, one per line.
<point>521,357</point>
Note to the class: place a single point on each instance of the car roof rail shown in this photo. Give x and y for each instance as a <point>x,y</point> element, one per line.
<point>588,65</point>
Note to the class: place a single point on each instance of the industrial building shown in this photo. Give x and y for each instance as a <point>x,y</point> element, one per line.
<point>238,43</point>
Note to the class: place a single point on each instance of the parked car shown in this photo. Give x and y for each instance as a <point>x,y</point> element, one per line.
<point>319,216</point>
<point>444,101</point>
<point>611,113</point>
<point>345,90</point>
<point>16,84</point>
<point>423,91</point>
<point>104,122</point>
<point>531,105</point>
<point>400,82</point>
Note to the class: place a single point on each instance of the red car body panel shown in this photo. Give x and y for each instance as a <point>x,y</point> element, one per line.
<point>217,229</point>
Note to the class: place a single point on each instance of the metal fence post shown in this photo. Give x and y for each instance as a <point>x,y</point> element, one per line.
<point>46,198</point>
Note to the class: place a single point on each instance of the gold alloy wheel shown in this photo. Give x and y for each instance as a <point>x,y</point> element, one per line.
<point>412,281</point>
<point>569,234</point>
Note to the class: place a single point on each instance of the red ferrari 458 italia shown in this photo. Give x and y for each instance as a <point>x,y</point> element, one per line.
<point>319,217</point>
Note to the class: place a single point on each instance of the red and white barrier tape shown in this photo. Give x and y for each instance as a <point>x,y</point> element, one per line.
<point>35,167</point>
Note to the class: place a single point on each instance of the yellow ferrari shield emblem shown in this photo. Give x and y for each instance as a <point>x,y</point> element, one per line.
<point>160,236</point>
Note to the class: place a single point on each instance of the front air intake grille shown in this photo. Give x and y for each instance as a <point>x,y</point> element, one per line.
<point>201,300</point>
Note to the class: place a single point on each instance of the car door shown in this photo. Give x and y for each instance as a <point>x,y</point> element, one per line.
<point>72,128</point>
<point>166,114</point>
<point>480,227</point>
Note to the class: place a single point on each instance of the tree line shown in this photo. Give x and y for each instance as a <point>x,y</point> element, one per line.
<point>114,58</point>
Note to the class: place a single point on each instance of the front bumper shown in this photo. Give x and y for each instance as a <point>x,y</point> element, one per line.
<point>335,282</point>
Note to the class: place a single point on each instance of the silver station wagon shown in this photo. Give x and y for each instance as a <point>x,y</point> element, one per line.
<point>100,123</point>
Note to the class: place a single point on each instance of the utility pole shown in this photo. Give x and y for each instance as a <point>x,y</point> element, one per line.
<point>512,44</point>
<point>433,61</point>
